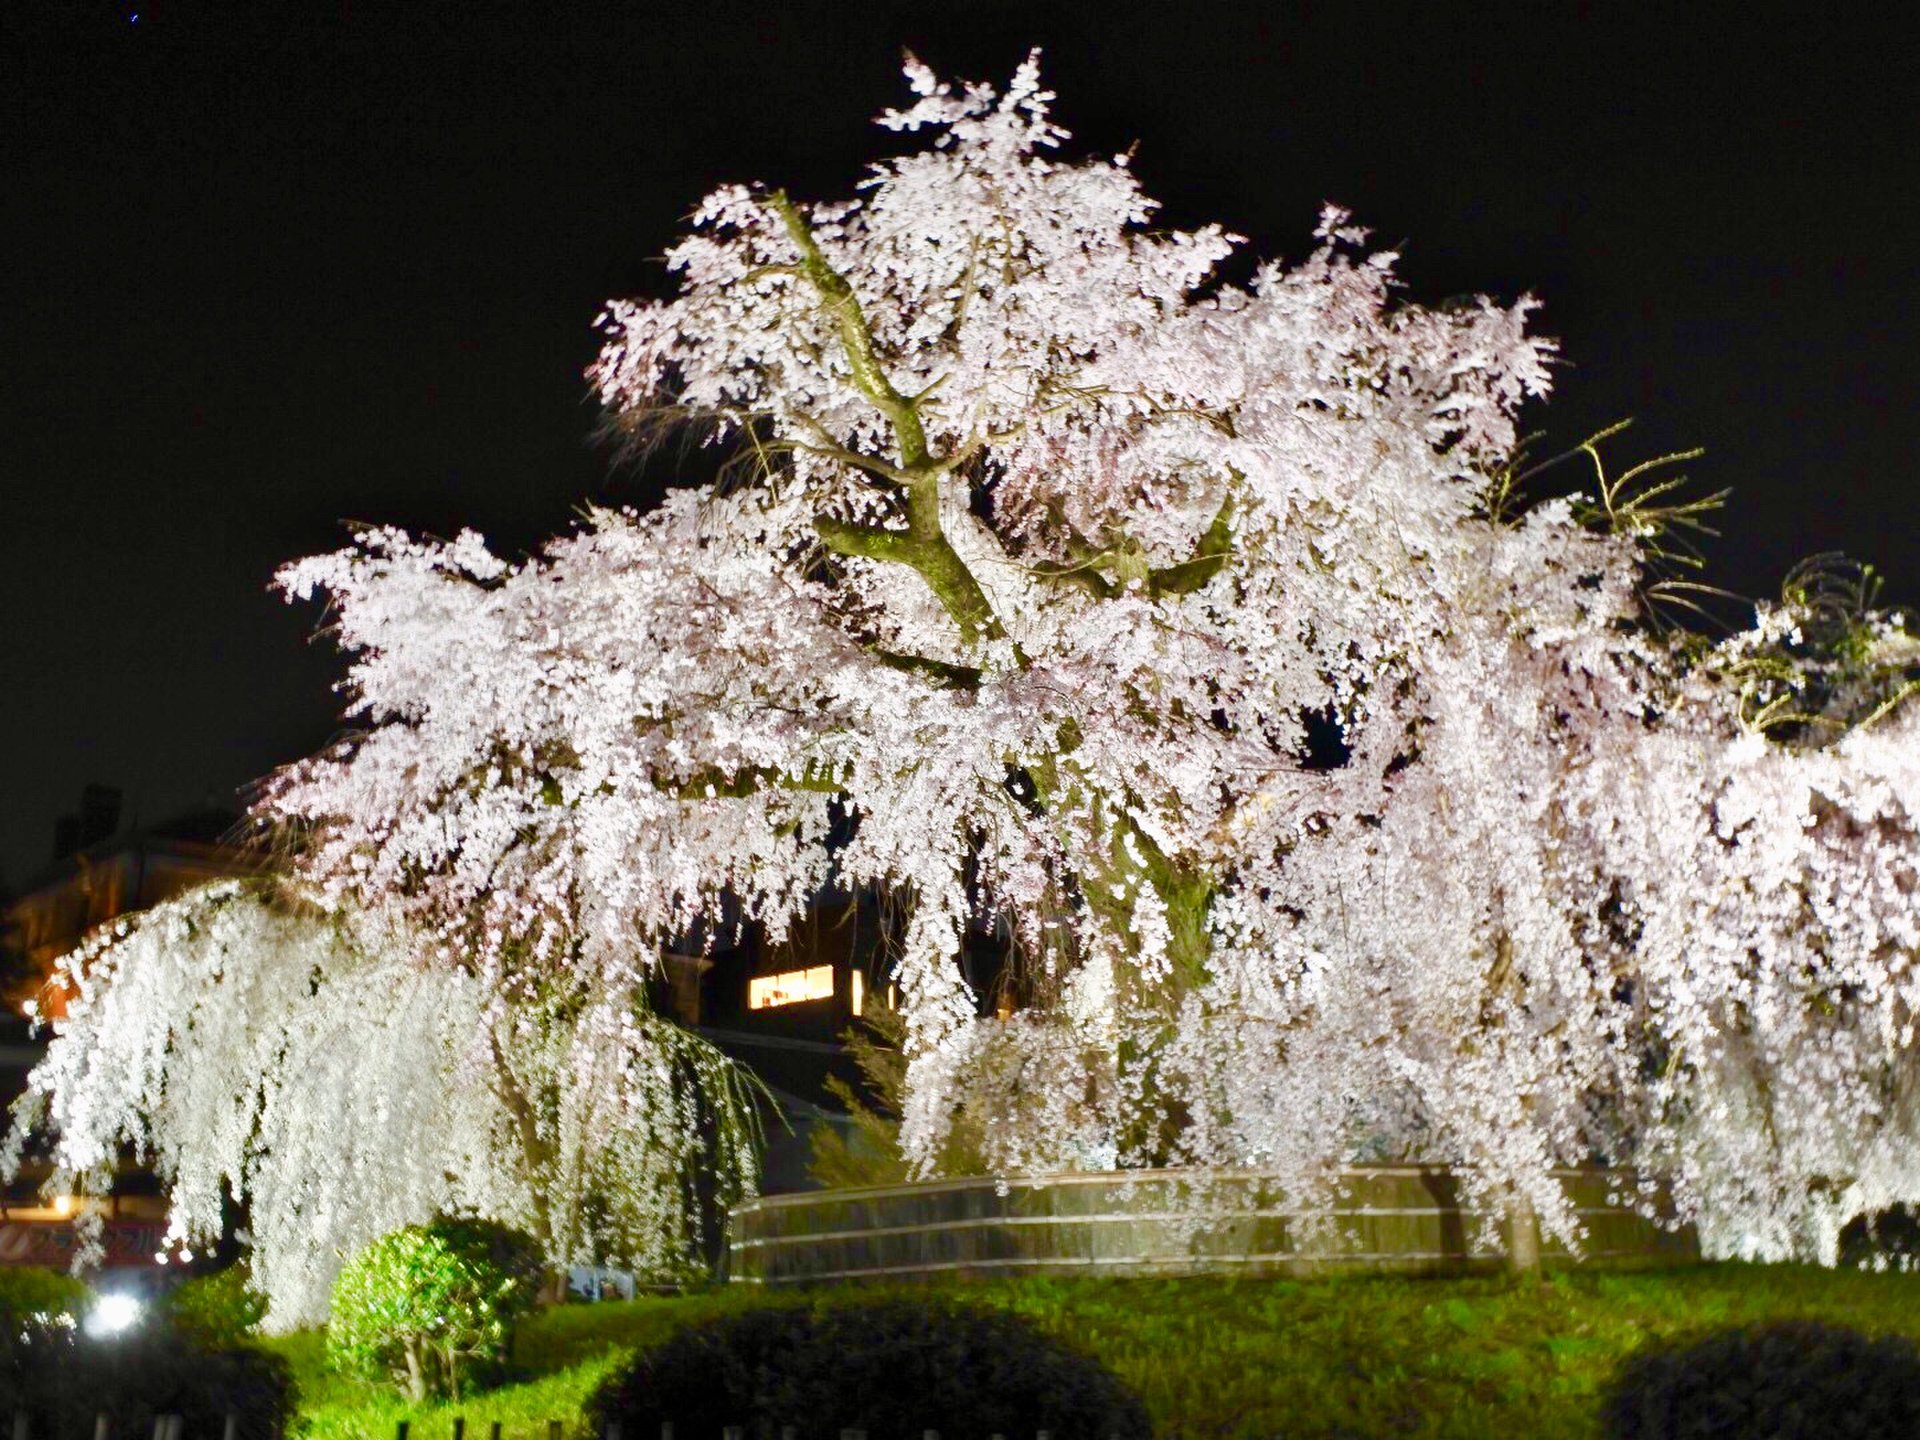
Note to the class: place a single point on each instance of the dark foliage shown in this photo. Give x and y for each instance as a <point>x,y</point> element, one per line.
<point>890,1366</point>
<point>63,1381</point>
<point>1887,1238</point>
<point>1790,1380</point>
<point>218,1310</point>
<point>36,1293</point>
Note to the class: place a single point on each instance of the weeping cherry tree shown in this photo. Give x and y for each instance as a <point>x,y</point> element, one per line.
<point>1336,801</point>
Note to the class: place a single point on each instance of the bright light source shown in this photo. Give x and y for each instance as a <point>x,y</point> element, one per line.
<point>859,992</point>
<point>114,1313</point>
<point>790,987</point>
<point>63,1206</point>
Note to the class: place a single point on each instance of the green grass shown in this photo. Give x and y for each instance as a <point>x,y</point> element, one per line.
<point>1461,1359</point>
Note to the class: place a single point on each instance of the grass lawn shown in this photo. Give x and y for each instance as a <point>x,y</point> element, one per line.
<point>1306,1360</point>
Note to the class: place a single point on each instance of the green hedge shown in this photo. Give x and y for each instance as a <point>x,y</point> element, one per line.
<point>889,1365</point>
<point>1220,1359</point>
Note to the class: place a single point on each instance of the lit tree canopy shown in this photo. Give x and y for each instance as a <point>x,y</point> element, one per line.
<point>1336,802</point>
<point>1764,843</point>
<point>1197,636</point>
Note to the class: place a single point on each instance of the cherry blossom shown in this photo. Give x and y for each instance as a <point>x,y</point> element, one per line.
<point>1333,801</point>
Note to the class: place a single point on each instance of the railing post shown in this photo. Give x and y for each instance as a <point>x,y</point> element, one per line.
<point>102,1426</point>
<point>22,1425</point>
<point>459,1427</point>
<point>400,1428</point>
<point>228,1431</point>
<point>493,1431</point>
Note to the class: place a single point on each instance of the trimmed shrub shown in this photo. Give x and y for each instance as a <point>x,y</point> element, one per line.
<point>62,1381</point>
<point>890,1366</point>
<point>1790,1380</point>
<point>218,1310</point>
<point>432,1308</point>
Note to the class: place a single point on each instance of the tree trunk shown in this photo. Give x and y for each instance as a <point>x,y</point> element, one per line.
<point>1523,1238</point>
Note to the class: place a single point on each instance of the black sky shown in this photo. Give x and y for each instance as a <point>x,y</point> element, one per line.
<point>276,266</point>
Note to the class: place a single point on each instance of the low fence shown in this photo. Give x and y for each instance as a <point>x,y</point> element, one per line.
<point>404,1430</point>
<point>1399,1218</point>
<point>172,1427</point>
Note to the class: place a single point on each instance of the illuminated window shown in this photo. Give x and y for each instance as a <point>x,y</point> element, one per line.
<point>859,991</point>
<point>790,987</point>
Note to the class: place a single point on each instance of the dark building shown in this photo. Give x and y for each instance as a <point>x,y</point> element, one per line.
<point>783,1010</point>
<point>99,872</point>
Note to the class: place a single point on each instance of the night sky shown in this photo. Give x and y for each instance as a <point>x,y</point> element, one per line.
<point>274,267</point>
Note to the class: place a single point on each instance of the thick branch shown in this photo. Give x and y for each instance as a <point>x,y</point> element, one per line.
<point>943,675</point>
<point>856,337</point>
<point>1210,554</point>
<point>923,545</point>
<point>1110,874</point>
<point>1082,574</point>
<point>930,554</point>
<point>535,1154</point>
<point>869,542</point>
<point>713,783</point>
<point>875,472</point>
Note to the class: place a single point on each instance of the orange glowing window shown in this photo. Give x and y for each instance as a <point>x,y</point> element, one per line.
<point>790,987</point>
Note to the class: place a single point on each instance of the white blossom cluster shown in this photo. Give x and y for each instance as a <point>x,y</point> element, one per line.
<point>1184,632</point>
<point>1774,895</point>
<point>256,1048</point>
<point>1047,548</point>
